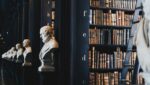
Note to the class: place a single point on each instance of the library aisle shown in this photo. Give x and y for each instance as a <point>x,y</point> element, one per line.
<point>92,39</point>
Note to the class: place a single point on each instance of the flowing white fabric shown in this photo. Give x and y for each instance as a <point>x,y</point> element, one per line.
<point>143,49</point>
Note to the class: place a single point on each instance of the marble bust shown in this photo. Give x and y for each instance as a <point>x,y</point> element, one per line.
<point>10,54</point>
<point>4,55</point>
<point>27,54</point>
<point>13,53</point>
<point>19,57</point>
<point>47,55</point>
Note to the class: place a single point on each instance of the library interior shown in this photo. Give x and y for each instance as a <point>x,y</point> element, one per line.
<point>74,42</point>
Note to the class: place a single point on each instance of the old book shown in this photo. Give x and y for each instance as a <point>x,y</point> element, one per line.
<point>113,19</point>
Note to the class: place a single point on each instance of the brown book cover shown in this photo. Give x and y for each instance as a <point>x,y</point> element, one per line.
<point>113,19</point>
<point>97,60</point>
<point>116,76</point>
<point>93,56</point>
<point>111,78</point>
<point>99,38</point>
<point>101,17</point>
<point>119,18</point>
<point>97,3</point>
<point>106,81</point>
<point>97,17</point>
<point>110,17</point>
<point>92,78</point>
<point>98,79</point>
<point>53,15</point>
<point>93,36</point>
<point>114,37</point>
<point>104,19</point>
<point>123,18</point>
<point>90,59</point>
<point>107,18</point>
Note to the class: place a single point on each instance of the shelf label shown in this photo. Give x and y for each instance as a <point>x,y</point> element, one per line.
<point>84,35</point>
<point>84,13</point>
<point>84,57</point>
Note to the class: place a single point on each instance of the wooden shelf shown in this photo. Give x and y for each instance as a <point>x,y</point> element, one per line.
<point>113,9</point>
<point>109,26</point>
<point>107,70</point>
<point>110,48</point>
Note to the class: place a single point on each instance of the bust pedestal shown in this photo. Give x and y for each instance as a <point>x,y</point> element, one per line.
<point>47,78</point>
<point>28,76</point>
<point>47,69</point>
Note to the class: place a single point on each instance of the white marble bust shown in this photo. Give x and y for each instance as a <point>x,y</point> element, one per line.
<point>27,54</point>
<point>46,56</point>
<point>10,54</point>
<point>19,52</point>
<point>5,55</point>
<point>13,53</point>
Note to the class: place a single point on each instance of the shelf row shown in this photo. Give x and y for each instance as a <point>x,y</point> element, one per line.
<point>92,26</point>
<point>109,48</point>
<point>117,18</point>
<point>111,78</point>
<point>126,4</point>
<point>107,70</point>
<point>103,60</point>
<point>109,36</point>
<point>130,11</point>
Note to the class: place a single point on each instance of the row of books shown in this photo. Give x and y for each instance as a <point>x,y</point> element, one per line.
<point>99,60</point>
<point>53,18</point>
<point>52,15</point>
<point>51,12</point>
<point>111,78</point>
<point>118,18</point>
<point>125,4</point>
<point>52,3</point>
<point>109,36</point>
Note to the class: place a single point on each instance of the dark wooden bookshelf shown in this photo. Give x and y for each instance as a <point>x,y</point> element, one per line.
<point>109,32</point>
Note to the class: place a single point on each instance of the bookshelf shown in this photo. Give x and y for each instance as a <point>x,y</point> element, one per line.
<point>48,12</point>
<point>109,31</point>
